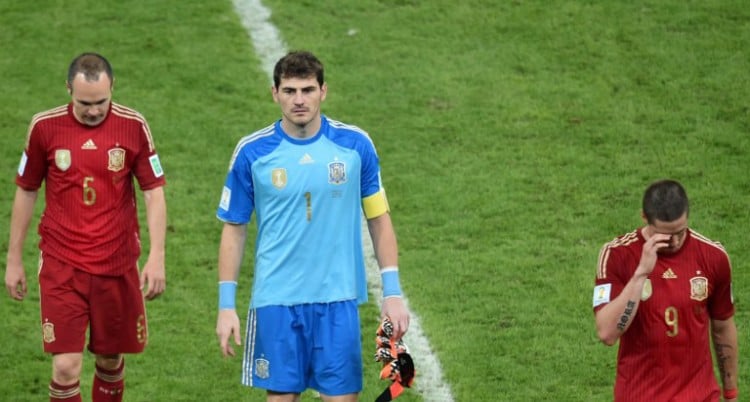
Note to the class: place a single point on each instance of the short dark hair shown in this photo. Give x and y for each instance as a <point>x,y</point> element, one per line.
<point>665,200</point>
<point>298,64</point>
<point>91,65</point>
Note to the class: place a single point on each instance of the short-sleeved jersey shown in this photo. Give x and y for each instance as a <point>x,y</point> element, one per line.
<point>90,219</point>
<point>307,196</point>
<point>665,354</point>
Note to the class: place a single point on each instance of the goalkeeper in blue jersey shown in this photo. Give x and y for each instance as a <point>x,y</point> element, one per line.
<point>308,178</point>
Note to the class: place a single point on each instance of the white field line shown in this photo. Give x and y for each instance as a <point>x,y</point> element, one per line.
<point>269,47</point>
<point>429,381</point>
<point>263,34</point>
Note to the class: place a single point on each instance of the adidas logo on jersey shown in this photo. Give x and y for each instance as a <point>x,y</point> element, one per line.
<point>88,144</point>
<point>306,159</point>
<point>669,274</point>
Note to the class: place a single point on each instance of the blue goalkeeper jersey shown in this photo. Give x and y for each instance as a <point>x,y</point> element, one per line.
<point>307,196</point>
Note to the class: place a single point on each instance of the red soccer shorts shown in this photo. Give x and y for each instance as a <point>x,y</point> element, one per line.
<point>72,299</point>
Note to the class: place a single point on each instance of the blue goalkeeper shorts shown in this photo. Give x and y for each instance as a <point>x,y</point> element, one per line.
<point>291,348</point>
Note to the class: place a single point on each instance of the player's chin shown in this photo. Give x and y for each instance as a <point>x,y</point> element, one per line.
<point>301,119</point>
<point>93,122</point>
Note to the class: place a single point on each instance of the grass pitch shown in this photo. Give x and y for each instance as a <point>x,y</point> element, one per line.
<point>515,138</point>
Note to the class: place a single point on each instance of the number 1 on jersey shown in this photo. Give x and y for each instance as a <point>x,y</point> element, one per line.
<point>308,201</point>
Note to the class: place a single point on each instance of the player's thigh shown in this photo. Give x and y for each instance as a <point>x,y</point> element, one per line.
<point>337,352</point>
<point>64,310</point>
<point>118,315</point>
<point>276,350</point>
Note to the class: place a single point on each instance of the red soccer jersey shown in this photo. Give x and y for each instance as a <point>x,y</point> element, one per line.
<point>665,354</point>
<point>90,219</point>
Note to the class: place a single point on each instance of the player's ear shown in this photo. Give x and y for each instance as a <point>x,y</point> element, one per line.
<point>323,91</point>
<point>68,88</point>
<point>643,216</point>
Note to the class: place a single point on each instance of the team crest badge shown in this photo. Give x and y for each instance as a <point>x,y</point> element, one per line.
<point>261,368</point>
<point>337,173</point>
<point>699,288</point>
<point>116,159</point>
<point>62,159</point>
<point>647,291</point>
<point>278,178</point>
<point>48,332</point>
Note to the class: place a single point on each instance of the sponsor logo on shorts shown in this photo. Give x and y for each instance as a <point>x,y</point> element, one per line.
<point>261,368</point>
<point>48,332</point>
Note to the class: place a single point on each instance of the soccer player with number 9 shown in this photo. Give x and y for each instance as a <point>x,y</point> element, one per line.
<point>660,290</point>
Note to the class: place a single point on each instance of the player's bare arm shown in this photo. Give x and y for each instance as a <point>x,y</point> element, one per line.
<point>615,318</point>
<point>386,252</point>
<point>231,251</point>
<point>153,275</point>
<point>724,336</point>
<point>15,275</point>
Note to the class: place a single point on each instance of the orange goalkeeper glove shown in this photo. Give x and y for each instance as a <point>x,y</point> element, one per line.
<point>398,365</point>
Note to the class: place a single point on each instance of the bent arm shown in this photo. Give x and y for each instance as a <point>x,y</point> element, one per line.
<point>615,318</point>
<point>724,335</point>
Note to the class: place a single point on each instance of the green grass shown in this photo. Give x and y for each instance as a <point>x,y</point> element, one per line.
<point>515,138</point>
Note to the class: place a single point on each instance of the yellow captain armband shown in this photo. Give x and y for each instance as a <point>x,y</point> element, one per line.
<point>375,205</point>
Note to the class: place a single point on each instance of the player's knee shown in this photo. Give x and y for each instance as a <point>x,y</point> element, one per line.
<point>273,396</point>
<point>109,362</point>
<point>66,367</point>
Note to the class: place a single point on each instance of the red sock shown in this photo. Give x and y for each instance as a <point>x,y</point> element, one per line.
<point>109,385</point>
<point>68,393</point>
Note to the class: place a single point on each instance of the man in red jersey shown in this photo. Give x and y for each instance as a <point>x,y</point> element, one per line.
<point>88,152</point>
<point>661,290</point>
